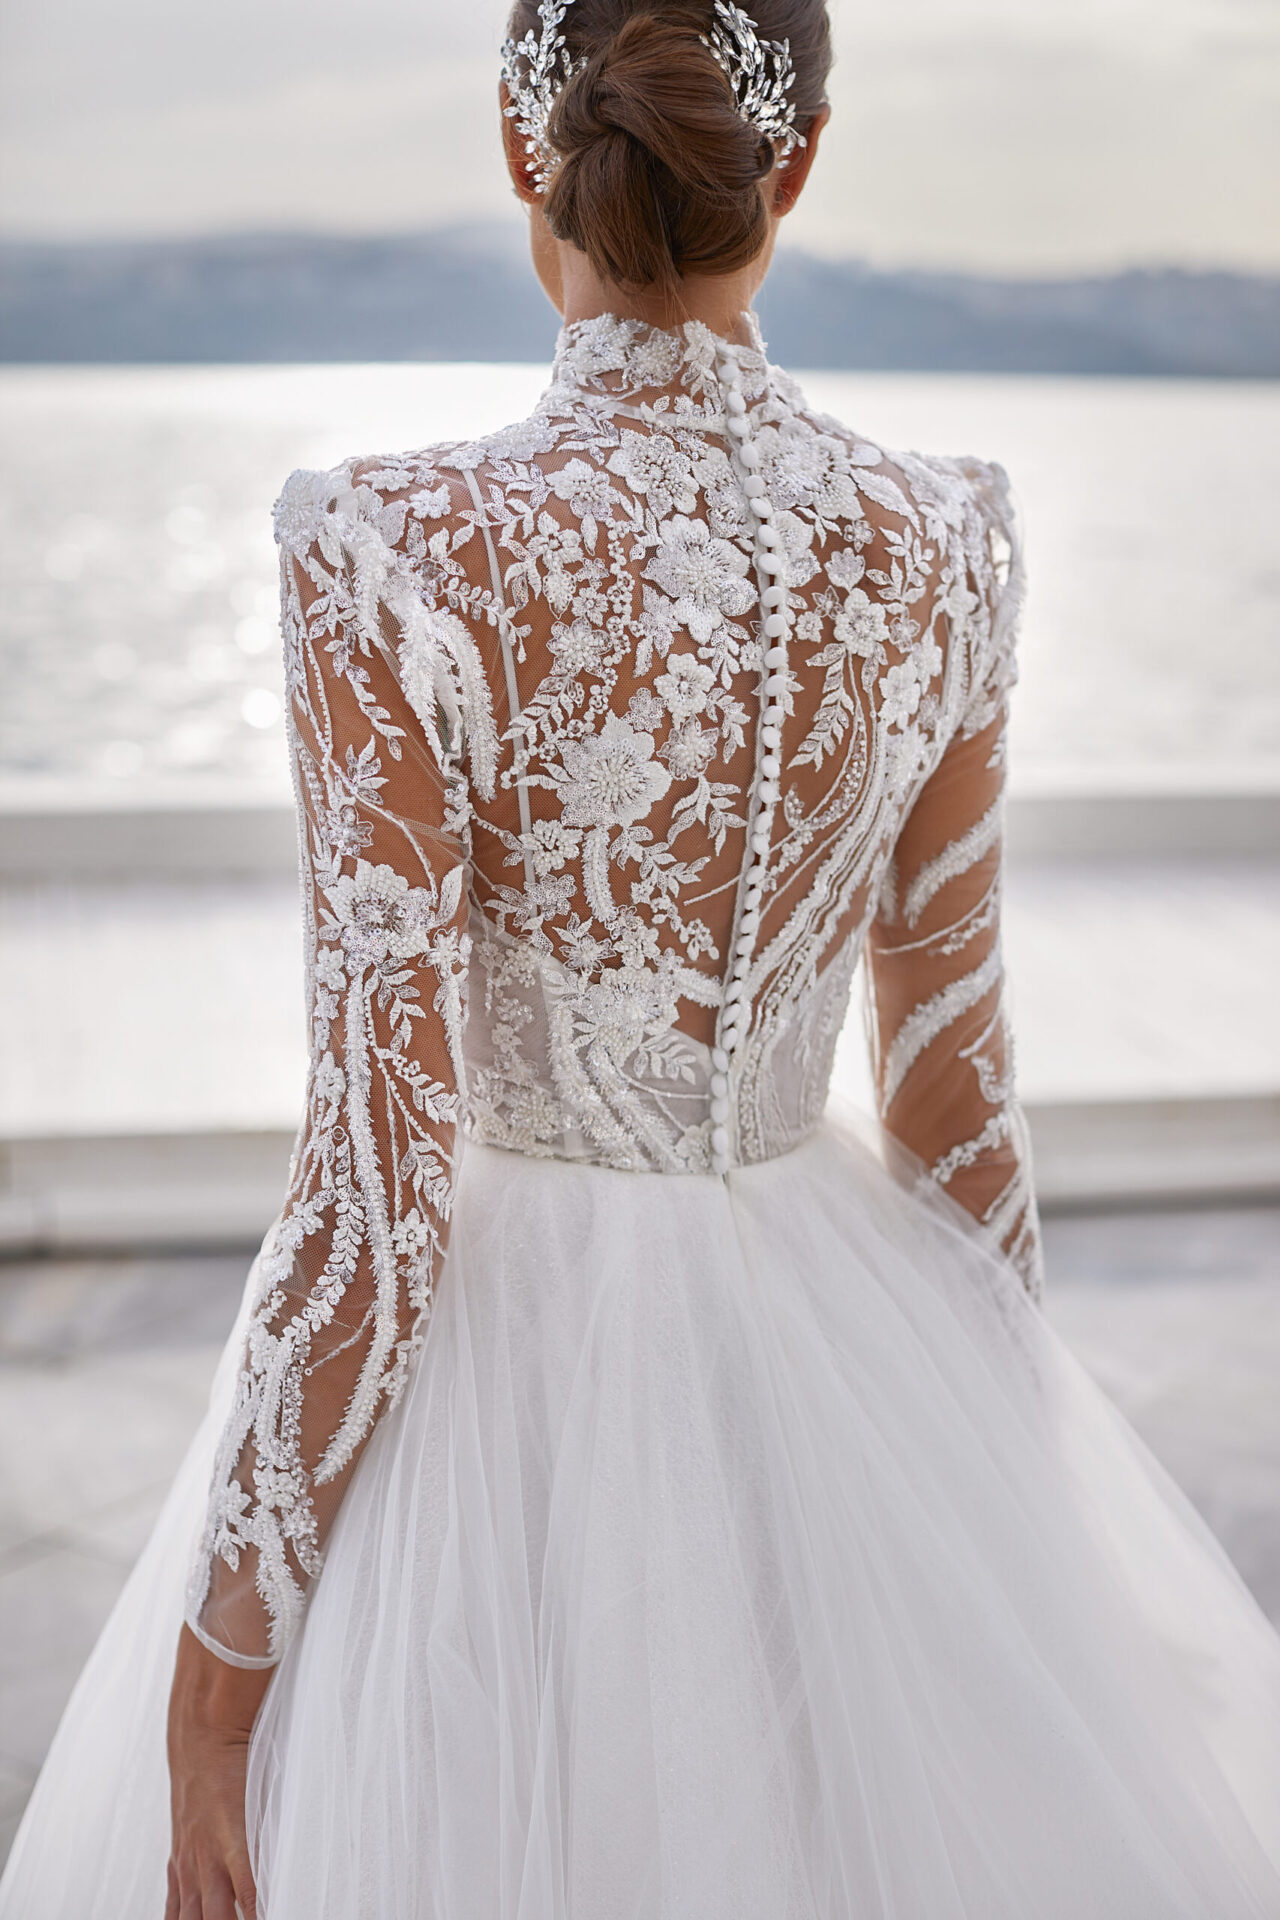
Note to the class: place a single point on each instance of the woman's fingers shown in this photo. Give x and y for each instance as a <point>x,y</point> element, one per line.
<point>218,1899</point>
<point>211,1891</point>
<point>245,1891</point>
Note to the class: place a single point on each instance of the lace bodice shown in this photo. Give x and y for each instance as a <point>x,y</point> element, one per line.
<point>618,737</point>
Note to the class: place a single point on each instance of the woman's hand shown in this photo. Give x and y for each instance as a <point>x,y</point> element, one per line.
<point>211,1712</point>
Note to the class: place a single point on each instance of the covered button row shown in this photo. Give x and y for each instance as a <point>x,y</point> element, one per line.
<point>735,1011</point>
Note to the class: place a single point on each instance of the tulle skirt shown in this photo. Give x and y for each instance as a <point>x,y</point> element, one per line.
<point>740,1549</point>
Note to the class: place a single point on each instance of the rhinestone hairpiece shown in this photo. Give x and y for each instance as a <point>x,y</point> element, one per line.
<point>759,71</point>
<point>761,74</point>
<point>535,70</point>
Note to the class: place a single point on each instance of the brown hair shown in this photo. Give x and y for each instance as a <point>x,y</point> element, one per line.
<point>659,174</point>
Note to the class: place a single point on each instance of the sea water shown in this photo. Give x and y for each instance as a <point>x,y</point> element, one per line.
<point>138,596</point>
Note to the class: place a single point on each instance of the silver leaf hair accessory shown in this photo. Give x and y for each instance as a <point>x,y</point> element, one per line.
<point>761,75</point>
<point>760,72</point>
<point>535,71</point>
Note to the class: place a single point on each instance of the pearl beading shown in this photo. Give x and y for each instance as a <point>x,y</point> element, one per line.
<point>735,1012</point>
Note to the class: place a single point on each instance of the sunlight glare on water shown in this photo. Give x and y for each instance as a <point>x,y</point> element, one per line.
<point>138,636</point>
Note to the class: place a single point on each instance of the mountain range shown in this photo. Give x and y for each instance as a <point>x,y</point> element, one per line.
<point>468,294</point>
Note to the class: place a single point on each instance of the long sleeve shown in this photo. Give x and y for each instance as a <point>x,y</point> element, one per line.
<point>344,1279</point>
<point>941,1041</point>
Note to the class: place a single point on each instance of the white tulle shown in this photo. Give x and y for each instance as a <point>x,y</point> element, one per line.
<point>746,1549</point>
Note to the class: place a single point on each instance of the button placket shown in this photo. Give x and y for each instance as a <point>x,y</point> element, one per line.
<point>776,618</point>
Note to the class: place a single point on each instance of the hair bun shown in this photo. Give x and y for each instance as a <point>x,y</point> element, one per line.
<point>656,82</point>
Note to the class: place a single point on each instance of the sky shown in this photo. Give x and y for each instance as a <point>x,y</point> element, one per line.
<point>1005,136</point>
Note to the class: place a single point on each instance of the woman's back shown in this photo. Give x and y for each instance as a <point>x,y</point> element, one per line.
<point>700,674</point>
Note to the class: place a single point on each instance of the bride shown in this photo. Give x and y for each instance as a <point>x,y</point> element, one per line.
<point>710,1523</point>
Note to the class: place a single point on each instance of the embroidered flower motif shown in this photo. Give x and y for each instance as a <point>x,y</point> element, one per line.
<point>654,466</point>
<point>960,605</point>
<point>685,685</point>
<point>646,710</point>
<point>413,1235</point>
<point>861,626</point>
<point>578,648</point>
<point>899,694</point>
<point>927,660</point>
<point>906,755</point>
<point>227,1509</point>
<point>581,950</point>
<point>845,567</point>
<point>328,1081</point>
<point>278,1488</point>
<point>804,468</point>
<point>546,899</point>
<point>586,489</point>
<point>610,778</point>
<point>379,916</point>
<point>787,464</point>
<point>551,845</point>
<point>655,360</point>
<point>634,940</point>
<point>430,503</point>
<point>593,347</point>
<point>705,577</point>
<point>687,750</point>
<point>609,1014</point>
<point>330,971</point>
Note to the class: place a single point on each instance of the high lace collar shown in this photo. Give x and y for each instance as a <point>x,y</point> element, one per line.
<point>609,354</point>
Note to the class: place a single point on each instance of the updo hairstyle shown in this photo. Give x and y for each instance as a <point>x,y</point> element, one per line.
<point>659,175</point>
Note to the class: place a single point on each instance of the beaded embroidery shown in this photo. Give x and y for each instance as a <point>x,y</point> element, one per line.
<point>620,737</point>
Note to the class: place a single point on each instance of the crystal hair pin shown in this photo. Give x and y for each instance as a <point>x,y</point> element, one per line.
<point>760,72</point>
<point>535,70</point>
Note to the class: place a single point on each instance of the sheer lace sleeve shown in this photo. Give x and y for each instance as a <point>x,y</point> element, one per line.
<point>941,1042</point>
<point>378,685</point>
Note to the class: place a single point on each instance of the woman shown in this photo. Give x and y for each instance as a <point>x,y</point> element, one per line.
<point>711,1525</point>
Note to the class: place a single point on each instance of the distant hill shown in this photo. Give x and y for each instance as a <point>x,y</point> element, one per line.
<point>470,295</point>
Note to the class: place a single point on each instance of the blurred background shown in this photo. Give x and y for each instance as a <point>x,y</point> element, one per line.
<point>240,240</point>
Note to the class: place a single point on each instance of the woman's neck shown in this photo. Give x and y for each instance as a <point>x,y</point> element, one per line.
<point>719,301</point>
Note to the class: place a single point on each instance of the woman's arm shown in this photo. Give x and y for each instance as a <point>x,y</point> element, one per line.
<point>345,1278</point>
<point>941,1040</point>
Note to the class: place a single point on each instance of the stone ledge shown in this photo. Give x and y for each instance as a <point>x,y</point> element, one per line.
<point>71,832</point>
<point>123,1191</point>
<point>207,1190</point>
<point>1201,1149</point>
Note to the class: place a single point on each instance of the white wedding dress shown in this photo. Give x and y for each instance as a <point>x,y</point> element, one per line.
<point>712,1527</point>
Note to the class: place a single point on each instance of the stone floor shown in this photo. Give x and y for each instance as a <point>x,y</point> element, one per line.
<point>104,1365</point>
